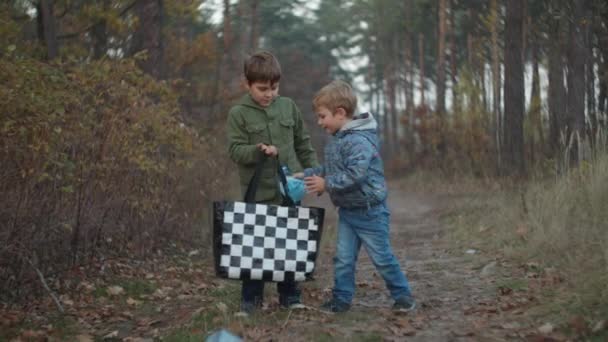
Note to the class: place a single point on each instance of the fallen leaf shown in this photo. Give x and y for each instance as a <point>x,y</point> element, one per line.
<point>113,334</point>
<point>521,231</point>
<point>578,324</point>
<point>84,338</point>
<point>222,307</point>
<point>35,335</point>
<point>133,302</point>
<point>546,328</point>
<point>600,326</point>
<point>115,290</point>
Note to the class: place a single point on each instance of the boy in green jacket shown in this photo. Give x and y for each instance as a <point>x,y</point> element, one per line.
<point>264,121</point>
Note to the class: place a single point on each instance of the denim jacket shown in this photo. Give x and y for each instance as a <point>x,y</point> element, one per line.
<point>353,169</point>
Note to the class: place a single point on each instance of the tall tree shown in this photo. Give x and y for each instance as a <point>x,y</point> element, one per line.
<point>496,84</point>
<point>442,13</point>
<point>453,56</point>
<point>99,32</point>
<point>557,92</point>
<point>576,72</point>
<point>148,36</point>
<point>47,28</point>
<point>513,147</point>
<point>421,67</point>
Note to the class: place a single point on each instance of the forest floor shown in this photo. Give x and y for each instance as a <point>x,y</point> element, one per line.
<point>463,294</point>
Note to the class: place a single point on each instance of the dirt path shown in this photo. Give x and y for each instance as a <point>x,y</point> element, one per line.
<point>459,292</point>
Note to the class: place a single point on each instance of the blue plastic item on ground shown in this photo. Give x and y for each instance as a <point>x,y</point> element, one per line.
<point>223,335</point>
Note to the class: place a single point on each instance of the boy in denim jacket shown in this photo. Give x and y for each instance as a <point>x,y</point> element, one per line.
<point>353,175</point>
<point>262,121</point>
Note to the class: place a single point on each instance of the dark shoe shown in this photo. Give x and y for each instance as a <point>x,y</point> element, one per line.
<point>404,304</point>
<point>292,302</point>
<point>335,305</point>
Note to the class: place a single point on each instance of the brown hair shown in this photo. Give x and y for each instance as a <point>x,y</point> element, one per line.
<point>337,94</point>
<point>262,66</point>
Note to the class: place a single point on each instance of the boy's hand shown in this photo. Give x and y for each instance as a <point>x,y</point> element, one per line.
<point>315,184</point>
<point>269,150</point>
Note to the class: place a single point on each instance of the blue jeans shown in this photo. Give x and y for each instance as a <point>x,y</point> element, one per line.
<point>368,227</point>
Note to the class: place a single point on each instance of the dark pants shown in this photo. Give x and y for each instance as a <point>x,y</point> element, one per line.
<point>252,292</point>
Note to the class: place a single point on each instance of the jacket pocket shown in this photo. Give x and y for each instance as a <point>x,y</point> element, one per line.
<point>257,133</point>
<point>286,126</point>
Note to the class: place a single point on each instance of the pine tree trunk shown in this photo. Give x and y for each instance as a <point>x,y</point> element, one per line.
<point>576,73</point>
<point>255,35</point>
<point>496,80</point>
<point>421,66</point>
<point>48,28</point>
<point>100,34</point>
<point>513,147</point>
<point>226,63</point>
<point>534,107</point>
<point>453,66</point>
<point>557,92</point>
<point>590,64</point>
<point>148,36</point>
<point>441,59</point>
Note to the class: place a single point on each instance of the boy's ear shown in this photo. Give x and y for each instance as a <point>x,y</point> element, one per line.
<point>340,111</point>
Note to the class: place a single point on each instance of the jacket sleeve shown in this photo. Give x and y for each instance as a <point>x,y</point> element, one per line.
<point>239,148</point>
<point>314,171</point>
<point>356,157</point>
<point>301,141</point>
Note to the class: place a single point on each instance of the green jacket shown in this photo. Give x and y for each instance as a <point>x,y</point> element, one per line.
<point>279,124</point>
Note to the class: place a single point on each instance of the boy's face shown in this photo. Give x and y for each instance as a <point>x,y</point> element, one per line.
<point>331,122</point>
<point>263,93</point>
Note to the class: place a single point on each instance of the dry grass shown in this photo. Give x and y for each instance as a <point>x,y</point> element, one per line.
<point>561,224</point>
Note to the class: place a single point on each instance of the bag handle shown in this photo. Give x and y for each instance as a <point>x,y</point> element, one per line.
<point>252,187</point>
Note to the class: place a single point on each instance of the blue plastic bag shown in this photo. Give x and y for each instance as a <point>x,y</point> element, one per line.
<point>295,188</point>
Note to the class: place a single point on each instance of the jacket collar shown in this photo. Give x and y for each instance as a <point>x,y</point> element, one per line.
<point>247,100</point>
<point>361,122</point>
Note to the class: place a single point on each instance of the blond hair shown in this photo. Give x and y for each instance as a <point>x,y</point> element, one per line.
<point>337,94</point>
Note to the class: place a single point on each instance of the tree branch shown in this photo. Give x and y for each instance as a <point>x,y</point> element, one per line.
<point>86,29</point>
<point>46,286</point>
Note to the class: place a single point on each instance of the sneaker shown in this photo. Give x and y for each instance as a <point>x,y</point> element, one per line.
<point>291,303</point>
<point>335,305</point>
<point>296,306</point>
<point>404,304</point>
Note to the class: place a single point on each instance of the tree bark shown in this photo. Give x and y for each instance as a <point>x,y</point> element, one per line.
<point>590,74</point>
<point>255,35</point>
<point>441,59</point>
<point>48,28</point>
<point>453,66</point>
<point>576,71</point>
<point>421,67</point>
<point>513,152</point>
<point>148,36</point>
<point>534,107</point>
<point>100,34</point>
<point>557,92</point>
<point>495,65</point>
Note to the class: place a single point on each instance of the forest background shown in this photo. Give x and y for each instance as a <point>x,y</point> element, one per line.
<point>112,113</point>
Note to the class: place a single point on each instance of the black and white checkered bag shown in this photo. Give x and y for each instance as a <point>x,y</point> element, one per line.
<point>265,242</point>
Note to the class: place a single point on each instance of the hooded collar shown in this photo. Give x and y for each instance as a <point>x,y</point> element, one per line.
<point>361,122</point>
